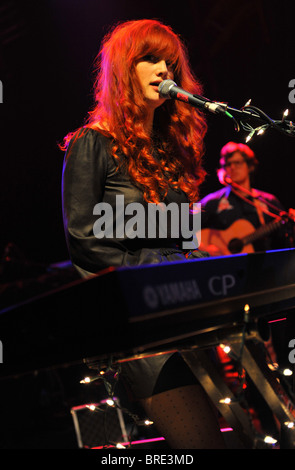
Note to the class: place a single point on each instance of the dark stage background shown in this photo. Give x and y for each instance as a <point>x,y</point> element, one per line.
<point>238,49</point>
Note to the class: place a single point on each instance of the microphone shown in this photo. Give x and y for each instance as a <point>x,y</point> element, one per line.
<point>169,89</point>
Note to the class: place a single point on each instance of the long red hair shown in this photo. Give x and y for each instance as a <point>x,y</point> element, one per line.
<point>120,111</point>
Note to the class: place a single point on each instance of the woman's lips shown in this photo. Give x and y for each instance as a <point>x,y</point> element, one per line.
<point>155,85</point>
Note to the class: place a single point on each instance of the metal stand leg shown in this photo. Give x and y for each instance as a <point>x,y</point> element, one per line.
<point>266,382</point>
<point>207,375</point>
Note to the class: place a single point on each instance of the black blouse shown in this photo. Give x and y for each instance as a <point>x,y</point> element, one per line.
<point>91,177</point>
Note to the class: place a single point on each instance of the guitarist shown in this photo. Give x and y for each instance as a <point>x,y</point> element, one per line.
<point>238,210</point>
<point>233,212</point>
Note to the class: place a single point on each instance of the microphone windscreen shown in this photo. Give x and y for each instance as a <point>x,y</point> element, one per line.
<point>164,88</point>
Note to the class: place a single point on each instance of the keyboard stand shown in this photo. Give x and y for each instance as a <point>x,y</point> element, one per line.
<point>264,379</point>
<point>206,373</point>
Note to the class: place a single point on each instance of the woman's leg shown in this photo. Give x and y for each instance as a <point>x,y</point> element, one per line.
<point>185,417</point>
<point>172,397</point>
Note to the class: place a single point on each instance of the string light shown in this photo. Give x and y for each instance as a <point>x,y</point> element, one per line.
<point>120,446</point>
<point>112,401</point>
<point>289,424</point>
<point>284,126</point>
<point>225,348</point>
<point>110,376</point>
<point>269,440</point>
<point>261,131</point>
<point>147,422</point>
<point>226,401</point>
<point>240,397</point>
<point>91,407</point>
<point>285,114</point>
<point>249,136</point>
<point>86,380</point>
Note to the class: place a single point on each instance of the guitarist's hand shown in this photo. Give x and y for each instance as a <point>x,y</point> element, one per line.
<point>213,250</point>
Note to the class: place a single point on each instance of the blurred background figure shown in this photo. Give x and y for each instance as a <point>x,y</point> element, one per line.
<point>239,218</point>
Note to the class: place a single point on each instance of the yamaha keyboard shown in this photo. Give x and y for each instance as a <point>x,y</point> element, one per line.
<point>129,310</point>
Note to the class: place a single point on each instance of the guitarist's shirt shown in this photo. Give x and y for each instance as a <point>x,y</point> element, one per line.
<point>221,209</point>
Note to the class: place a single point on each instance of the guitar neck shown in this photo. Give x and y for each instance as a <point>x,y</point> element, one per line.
<point>262,231</point>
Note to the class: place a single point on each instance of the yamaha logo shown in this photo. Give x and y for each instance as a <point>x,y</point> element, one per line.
<point>181,292</point>
<point>171,293</point>
<point>150,297</point>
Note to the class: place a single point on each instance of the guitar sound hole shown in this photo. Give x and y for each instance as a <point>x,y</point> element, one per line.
<point>235,245</point>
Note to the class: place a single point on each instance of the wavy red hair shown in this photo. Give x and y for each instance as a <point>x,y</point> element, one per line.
<point>120,110</point>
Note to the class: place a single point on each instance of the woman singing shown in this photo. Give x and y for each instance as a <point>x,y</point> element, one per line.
<point>147,150</point>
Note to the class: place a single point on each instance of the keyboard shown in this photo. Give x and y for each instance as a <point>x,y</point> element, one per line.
<point>122,311</point>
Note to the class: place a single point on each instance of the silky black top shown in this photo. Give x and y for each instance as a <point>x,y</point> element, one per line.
<point>91,177</point>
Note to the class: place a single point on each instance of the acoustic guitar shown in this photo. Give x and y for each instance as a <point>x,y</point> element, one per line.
<point>238,238</point>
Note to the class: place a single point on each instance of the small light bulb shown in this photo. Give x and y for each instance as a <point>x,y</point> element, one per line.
<point>147,422</point>
<point>270,440</point>
<point>226,400</point>
<point>289,424</point>
<point>287,372</point>
<point>91,407</point>
<point>110,402</point>
<point>249,137</point>
<point>86,380</point>
<point>246,308</point>
<point>225,348</point>
<point>285,114</point>
<point>120,446</point>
